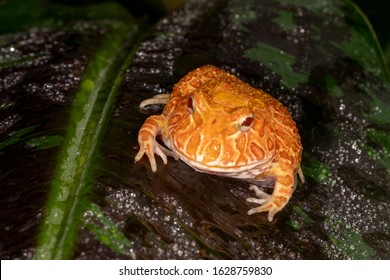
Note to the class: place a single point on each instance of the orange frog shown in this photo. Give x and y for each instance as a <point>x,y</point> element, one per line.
<point>220,125</point>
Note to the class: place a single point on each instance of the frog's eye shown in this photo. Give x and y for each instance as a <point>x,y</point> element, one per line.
<point>191,104</point>
<point>246,123</point>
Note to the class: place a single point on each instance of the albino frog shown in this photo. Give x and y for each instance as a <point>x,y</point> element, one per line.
<point>220,125</point>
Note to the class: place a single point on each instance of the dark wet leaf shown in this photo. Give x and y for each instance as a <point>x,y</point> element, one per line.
<point>60,79</point>
<point>70,117</point>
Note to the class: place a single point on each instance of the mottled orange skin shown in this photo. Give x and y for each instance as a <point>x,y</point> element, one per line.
<point>203,124</point>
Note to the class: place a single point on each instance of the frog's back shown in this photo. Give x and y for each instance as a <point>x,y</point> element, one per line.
<point>194,80</point>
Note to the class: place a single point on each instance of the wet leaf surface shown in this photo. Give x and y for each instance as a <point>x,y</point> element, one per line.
<point>58,82</point>
<point>319,59</point>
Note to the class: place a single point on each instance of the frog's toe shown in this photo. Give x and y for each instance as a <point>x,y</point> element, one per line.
<point>261,198</point>
<point>256,200</point>
<point>154,148</point>
<point>265,201</point>
<point>146,149</point>
<point>259,193</point>
<point>164,153</point>
<point>157,99</point>
<point>266,207</point>
<point>160,152</point>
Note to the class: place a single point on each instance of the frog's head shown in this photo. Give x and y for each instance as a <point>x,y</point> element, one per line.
<point>216,127</point>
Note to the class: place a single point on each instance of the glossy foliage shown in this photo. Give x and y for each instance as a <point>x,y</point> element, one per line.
<point>72,79</point>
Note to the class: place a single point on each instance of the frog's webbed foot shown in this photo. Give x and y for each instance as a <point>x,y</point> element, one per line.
<point>157,99</point>
<point>148,144</point>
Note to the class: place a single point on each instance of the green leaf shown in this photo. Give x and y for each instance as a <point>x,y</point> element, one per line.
<point>72,178</point>
<point>351,244</point>
<point>106,231</point>
<point>88,117</point>
<point>16,137</point>
<point>279,61</point>
<point>317,170</point>
<point>46,142</point>
<point>382,152</point>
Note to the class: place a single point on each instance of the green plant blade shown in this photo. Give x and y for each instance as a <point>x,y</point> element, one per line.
<point>87,119</point>
<point>72,179</point>
<point>106,231</point>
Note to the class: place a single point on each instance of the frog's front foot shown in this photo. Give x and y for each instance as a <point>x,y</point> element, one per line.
<point>148,144</point>
<point>283,189</point>
<point>268,203</point>
<point>151,147</point>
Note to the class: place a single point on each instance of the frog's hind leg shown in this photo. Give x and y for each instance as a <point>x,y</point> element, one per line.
<point>281,194</point>
<point>157,99</point>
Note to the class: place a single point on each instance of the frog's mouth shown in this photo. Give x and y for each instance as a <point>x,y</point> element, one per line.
<point>245,171</point>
